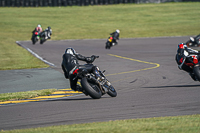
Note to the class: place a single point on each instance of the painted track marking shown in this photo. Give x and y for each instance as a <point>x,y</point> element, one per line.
<point>57,94</point>
<point>157,65</point>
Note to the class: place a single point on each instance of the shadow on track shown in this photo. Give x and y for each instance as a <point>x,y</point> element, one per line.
<point>173,86</point>
<point>74,99</point>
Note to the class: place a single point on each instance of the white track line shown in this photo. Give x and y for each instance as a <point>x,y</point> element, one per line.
<point>36,55</point>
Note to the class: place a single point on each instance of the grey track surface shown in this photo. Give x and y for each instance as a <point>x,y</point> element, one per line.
<point>31,79</point>
<point>162,91</point>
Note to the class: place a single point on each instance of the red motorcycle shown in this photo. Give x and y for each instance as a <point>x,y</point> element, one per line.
<point>191,61</point>
<point>110,42</point>
<point>35,37</point>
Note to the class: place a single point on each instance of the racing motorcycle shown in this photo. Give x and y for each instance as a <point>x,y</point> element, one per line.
<point>191,61</point>
<point>94,87</point>
<point>35,37</point>
<point>42,35</point>
<point>194,41</point>
<point>110,42</point>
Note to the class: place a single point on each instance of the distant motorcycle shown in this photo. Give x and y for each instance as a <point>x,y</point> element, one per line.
<point>35,37</point>
<point>94,87</point>
<point>110,42</point>
<point>191,61</point>
<point>194,41</point>
<point>46,33</point>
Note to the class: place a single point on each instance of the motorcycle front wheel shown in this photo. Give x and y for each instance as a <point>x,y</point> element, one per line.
<point>92,89</point>
<point>111,91</point>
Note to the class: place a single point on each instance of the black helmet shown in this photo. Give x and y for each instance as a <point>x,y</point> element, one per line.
<point>70,51</point>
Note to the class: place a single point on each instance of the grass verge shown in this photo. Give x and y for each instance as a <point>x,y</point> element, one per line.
<point>176,124</point>
<point>25,95</point>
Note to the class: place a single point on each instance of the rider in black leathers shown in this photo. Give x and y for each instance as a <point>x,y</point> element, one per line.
<point>70,64</point>
<point>185,52</point>
<point>115,36</point>
<point>47,33</point>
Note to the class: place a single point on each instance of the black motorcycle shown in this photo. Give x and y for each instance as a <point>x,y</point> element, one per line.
<point>35,37</point>
<point>45,33</point>
<point>194,41</point>
<point>94,87</point>
<point>110,42</point>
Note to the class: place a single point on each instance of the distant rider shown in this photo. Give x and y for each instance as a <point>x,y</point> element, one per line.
<point>186,53</point>
<point>70,64</point>
<point>38,29</point>
<point>47,33</point>
<point>115,36</point>
<point>196,39</point>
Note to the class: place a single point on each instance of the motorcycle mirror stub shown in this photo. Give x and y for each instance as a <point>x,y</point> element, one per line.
<point>192,39</point>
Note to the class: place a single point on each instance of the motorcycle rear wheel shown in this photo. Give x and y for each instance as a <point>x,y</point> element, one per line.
<point>34,40</point>
<point>196,71</point>
<point>107,45</point>
<point>42,40</point>
<point>92,89</point>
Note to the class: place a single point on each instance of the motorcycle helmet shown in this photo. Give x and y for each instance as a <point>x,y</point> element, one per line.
<point>39,25</point>
<point>181,46</point>
<point>117,31</point>
<point>70,51</point>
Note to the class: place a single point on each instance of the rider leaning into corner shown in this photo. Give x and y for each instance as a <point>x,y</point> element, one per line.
<point>115,36</point>
<point>70,64</point>
<point>47,32</point>
<point>185,52</point>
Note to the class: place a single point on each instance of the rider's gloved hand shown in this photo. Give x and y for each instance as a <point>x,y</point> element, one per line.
<point>89,60</point>
<point>93,57</point>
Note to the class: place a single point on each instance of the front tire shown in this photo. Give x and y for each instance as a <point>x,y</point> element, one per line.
<point>92,89</point>
<point>112,92</point>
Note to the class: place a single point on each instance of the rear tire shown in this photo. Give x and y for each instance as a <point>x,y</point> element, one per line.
<point>196,71</point>
<point>92,90</point>
<point>107,45</point>
<point>34,40</point>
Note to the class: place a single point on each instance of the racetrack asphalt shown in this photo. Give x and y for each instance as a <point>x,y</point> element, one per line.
<point>142,70</point>
<point>31,79</point>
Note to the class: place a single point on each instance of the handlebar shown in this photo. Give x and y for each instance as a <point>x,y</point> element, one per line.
<point>96,56</point>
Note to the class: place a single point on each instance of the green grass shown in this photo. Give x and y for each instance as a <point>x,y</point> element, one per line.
<point>177,124</point>
<point>89,22</point>
<point>25,95</point>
